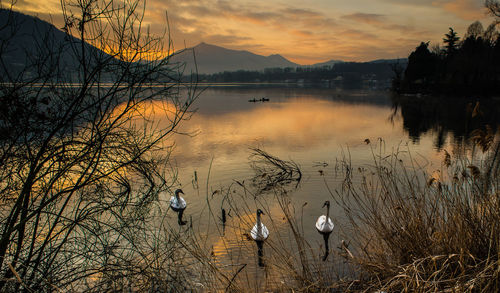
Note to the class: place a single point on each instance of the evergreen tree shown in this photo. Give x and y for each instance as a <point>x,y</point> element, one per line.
<point>451,42</point>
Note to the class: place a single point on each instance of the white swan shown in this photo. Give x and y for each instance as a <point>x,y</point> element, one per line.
<point>177,203</point>
<point>322,224</point>
<point>259,231</point>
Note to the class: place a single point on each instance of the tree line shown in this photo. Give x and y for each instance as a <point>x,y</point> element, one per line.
<point>467,66</point>
<point>346,73</point>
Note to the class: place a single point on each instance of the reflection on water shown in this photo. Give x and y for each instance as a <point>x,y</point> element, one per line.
<point>311,127</point>
<point>227,124</point>
<point>444,117</point>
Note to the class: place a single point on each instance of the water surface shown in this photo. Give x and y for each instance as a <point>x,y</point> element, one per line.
<point>315,128</point>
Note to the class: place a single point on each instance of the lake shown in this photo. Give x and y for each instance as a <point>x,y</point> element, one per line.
<point>316,129</point>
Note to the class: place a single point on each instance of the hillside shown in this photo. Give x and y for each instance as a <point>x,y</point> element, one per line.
<point>29,44</point>
<point>213,59</point>
<point>26,38</point>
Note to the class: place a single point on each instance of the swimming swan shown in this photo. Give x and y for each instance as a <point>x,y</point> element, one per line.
<point>259,231</point>
<point>177,203</point>
<point>322,224</point>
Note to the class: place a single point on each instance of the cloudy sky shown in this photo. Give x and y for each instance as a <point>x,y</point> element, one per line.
<point>305,32</point>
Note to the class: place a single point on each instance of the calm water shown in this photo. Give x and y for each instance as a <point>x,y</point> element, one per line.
<point>308,126</point>
<point>314,128</point>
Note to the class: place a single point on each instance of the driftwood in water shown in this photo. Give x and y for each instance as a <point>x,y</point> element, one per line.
<point>271,171</point>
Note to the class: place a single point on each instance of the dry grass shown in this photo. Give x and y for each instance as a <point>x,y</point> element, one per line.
<point>417,233</point>
<point>408,230</point>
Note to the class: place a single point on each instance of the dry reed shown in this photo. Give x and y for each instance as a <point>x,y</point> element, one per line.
<point>417,233</point>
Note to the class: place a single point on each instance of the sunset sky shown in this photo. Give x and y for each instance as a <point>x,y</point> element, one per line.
<point>305,32</point>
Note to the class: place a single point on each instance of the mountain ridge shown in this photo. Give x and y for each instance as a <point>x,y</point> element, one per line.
<point>213,59</point>
<point>207,58</point>
<point>27,39</point>
<point>203,58</point>
<point>32,47</point>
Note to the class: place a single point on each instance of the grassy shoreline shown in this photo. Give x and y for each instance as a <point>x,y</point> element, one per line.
<point>410,229</point>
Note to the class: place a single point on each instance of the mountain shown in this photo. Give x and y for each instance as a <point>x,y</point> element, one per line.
<point>391,61</point>
<point>333,62</point>
<point>29,44</point>
<point>34,38</point>
<point>327,63</point>
<point>213,59</point>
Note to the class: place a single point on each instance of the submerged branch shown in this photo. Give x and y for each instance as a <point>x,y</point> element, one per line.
<point>270,171</point>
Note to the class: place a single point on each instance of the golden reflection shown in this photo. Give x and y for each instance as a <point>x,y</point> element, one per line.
<point>308,129</point>
<point>235,248</point>
<point>238,229</point>
<point>294,125</point>
<point>157,110</point>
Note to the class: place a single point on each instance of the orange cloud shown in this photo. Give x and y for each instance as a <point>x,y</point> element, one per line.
<point>353,31</point>
<point>466,9</point>
<point>301,33</point>
<point>368,18</point>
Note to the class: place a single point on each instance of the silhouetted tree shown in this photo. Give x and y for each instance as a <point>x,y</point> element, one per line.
<point>491,34</point>
<point>494,7</point>
<point>467,67</point>
<point>475,30</point>
<point>451,42</point>
<point>81,158</point>
<point>421,68</point>
<point>397,79</point>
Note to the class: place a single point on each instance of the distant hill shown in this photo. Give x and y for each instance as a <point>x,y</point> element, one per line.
<point>391,61</point>
<point>213,59</point>
<point>327,63</point>
<point>27,40</point>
